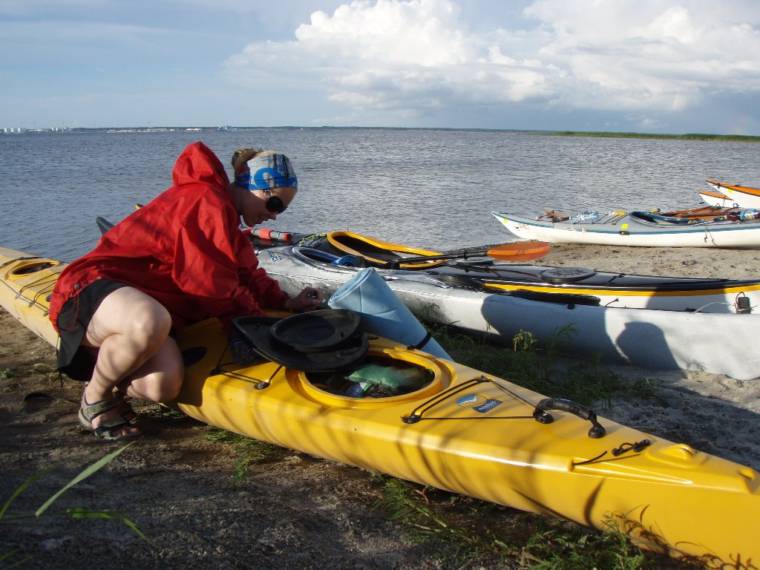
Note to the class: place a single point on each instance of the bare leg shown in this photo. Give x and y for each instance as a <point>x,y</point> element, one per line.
<point>131,330</point>
<point>160,378</point>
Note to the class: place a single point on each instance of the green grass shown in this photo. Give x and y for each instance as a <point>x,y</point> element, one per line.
<point>6,373</point>
<point>461,531</point>
<point>247,450</point>
<point>427,525</point>
<point>538,368</point>
<point>10,559</point>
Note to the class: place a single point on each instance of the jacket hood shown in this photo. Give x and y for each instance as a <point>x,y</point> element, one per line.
<point>198,163</point>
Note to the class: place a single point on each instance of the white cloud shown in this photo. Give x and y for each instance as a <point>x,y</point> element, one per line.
<point>409,56</point>
<point>650,54</point>
<point>395,55</point>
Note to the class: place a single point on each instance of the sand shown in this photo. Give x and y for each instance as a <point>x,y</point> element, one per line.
<point>292,510</point>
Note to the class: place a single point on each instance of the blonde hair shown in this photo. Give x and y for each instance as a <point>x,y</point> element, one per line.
<point>241,156</point>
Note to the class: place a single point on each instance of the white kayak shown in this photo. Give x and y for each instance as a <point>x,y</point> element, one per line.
<point>743,196</point>
<point>636,229</point>
<point>721,343</point>
<point>578,285</point>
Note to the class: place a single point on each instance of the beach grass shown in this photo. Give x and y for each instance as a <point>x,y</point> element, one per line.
<point>461,532</point>
<point>542,368</point>
<point>247,451</point>
<point>13,558</point>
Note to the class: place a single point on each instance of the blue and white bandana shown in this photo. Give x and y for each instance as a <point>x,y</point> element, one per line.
<point>266,171</point>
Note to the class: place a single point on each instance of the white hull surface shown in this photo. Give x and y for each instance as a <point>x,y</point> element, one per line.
<point>743,196</point>
<point>716,343</point>
<point>628,230</point>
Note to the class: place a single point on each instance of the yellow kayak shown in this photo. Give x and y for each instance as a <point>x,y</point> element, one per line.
<point>463,431</point>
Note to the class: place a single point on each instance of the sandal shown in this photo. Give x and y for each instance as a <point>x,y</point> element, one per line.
<point>127,412</point>
<point>108,430</point>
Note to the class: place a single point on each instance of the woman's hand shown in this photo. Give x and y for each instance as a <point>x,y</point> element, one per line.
<point>309,298</point>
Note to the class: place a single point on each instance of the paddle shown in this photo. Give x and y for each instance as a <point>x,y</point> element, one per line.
<point>268,236</point>
<point>515,251</point>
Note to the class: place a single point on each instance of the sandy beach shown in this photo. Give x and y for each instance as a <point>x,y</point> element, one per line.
<point>292,509</point>
<point>684,262</point>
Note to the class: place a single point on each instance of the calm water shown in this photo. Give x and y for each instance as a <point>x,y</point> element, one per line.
<point>420,187</point>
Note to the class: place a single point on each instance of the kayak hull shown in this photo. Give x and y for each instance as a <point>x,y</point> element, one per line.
<point>650,488</point>
<point>642,337</point>
<point>626,230</point>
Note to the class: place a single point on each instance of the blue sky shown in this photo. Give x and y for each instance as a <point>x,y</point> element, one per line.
<point>624,65</point>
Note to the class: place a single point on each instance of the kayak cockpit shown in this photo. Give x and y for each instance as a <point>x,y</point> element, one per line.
<point>387,375</point>
<point>378,377</point>
<point>368,250</point>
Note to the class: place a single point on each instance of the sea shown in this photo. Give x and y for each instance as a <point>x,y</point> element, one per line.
<point>422,187</point>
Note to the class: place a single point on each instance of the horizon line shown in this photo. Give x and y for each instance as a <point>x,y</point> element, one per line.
<point>559,132</point>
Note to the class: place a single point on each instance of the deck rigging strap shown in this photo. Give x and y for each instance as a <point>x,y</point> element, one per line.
<point>258,382</point>
<point>540,412</point>
<point>49,289</point>
<point>417,413</point>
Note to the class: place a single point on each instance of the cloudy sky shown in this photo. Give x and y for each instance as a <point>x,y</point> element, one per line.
<point>625,65</point>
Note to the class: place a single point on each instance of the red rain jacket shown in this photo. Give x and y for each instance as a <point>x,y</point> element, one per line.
<point>184,249</point>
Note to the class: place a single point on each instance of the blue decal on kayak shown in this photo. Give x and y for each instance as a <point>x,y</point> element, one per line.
<point>487,406</point>
<point>467,399</point>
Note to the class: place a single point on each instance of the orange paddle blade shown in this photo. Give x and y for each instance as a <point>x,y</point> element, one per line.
<point>519,250</point>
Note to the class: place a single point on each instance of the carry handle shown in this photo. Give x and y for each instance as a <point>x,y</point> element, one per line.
<point>542,415</point>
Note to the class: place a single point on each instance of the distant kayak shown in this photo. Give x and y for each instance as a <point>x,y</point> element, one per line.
<point>743,196</point>
<point>639,228</point>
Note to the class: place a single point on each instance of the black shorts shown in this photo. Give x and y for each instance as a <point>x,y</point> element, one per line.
<point>75,360</point>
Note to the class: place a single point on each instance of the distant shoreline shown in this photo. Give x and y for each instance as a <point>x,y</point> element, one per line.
<point>686,136</point>
<point>591,134</point>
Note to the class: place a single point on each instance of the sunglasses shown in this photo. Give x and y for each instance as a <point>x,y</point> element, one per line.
<point>275,204</point>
